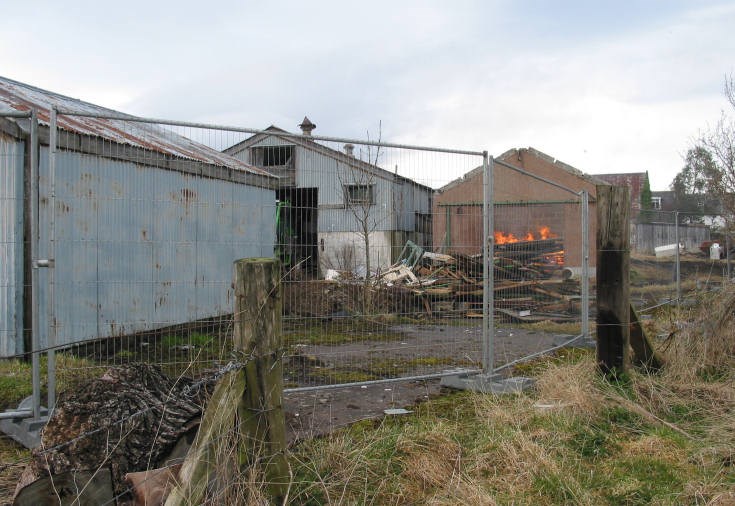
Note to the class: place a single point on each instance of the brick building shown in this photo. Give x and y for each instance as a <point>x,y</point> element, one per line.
<point>536,197</point>
<point>636,181</point>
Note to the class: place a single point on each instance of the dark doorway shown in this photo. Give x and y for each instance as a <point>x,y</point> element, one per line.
<point>296,224</point>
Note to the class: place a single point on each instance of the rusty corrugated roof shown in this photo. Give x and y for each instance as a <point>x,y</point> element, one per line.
<point>17,96</point>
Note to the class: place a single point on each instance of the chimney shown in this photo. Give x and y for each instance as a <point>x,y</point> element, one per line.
<point>349,149</point>
<point>307,126</point>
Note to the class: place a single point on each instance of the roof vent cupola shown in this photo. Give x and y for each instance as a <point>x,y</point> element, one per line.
<point>307,126</point>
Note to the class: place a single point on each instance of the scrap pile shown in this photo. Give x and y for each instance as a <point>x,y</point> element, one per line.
<point>530,282</point>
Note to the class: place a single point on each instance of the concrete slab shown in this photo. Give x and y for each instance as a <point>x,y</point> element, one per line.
<point>490,384</point>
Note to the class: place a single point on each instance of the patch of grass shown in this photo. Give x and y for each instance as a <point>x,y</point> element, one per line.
<point>564,355</point>
<point>639,479</point>
<point>392,367</point>
<point>125,355</point>
<point>577,439</point>
<point>196,339</point>
<point>340,331</point>
<point>553,327</point>
<point>593,440</point>
<point>15,382</point>
<point>15,377</point>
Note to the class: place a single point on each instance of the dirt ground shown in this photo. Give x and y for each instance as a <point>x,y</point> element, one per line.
<point>425,348</point>
<point>313,413</point>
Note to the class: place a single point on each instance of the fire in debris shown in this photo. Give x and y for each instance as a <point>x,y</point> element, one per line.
<point>542,233</point>
<point>541,245</point>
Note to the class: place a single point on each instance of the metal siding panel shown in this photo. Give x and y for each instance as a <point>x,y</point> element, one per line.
<point>12,154</point>
<point>140,248</point>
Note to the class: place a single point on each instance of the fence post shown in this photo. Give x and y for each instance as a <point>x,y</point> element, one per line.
<point>678,259</point>
<point>488,250</point>
<point>613,276</point>
<point>50,263</point>
<point>258,337</point>
<point>585,292</point>
<point>33,225</point>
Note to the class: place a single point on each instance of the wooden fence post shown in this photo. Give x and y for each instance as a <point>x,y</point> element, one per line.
<point>613,279</point>
<point>248,400</point>
<point>259,338</point>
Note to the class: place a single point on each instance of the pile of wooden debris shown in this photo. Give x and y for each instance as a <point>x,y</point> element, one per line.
<point>530,281</point>
<point>530,284</point>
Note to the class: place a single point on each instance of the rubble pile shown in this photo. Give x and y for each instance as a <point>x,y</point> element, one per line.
<point>530,284</point>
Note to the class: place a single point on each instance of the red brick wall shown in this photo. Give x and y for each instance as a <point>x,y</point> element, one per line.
<point>534,204</point>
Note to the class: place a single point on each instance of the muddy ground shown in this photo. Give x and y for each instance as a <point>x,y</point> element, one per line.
<point>318,412</point>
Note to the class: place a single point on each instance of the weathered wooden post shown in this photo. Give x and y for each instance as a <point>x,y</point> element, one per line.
<point>247,400</point>
<point>613,280</point>
<point>258,337</point>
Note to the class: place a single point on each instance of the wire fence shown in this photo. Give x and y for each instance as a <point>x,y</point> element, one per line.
<point>383,247</point>
<point>676,256</point>
<point>399,262</point>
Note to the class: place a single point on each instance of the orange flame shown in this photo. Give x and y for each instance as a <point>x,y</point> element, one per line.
<point>503,238</point>
<point>544,232</point>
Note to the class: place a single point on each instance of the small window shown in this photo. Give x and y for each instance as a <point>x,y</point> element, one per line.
<point>359,194</point>
<point>656,202</point>
<point>272,156</point>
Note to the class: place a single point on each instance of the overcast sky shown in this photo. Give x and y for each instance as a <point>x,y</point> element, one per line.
<point>604,86</point>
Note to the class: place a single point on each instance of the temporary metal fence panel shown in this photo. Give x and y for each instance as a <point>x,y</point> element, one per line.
<point>144,232</point>
<point>19,246</point>
<point>369,292</point>
<point>543,218</point>
<point>383,247</point>
<point>144,224</point>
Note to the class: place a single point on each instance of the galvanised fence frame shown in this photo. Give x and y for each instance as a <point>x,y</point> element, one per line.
<point>154,150</point>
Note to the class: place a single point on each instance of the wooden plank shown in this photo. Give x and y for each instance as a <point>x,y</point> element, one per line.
<point>613,283</point>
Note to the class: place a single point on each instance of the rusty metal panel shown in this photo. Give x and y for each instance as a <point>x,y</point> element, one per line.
<point>11,246</point>
<point>140,248</point>
<point>16,96</point>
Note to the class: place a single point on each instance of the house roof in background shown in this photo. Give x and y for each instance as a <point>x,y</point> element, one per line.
<point>20,97</point>
<point>511,153</point>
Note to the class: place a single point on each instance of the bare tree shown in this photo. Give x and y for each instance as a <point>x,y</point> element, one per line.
<point>720,142</point>
<point>360,191</point>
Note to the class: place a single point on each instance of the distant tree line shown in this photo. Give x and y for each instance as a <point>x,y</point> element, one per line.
<point>705,186</point>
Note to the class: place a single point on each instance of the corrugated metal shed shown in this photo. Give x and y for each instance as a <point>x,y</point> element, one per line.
<point>147,224</point>
<point>15,96</point>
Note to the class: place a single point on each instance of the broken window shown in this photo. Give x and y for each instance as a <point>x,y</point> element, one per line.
<point>272,156</point>
<point>359,194</point>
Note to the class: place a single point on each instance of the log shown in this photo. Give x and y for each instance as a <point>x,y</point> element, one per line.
<point>126,420</point>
